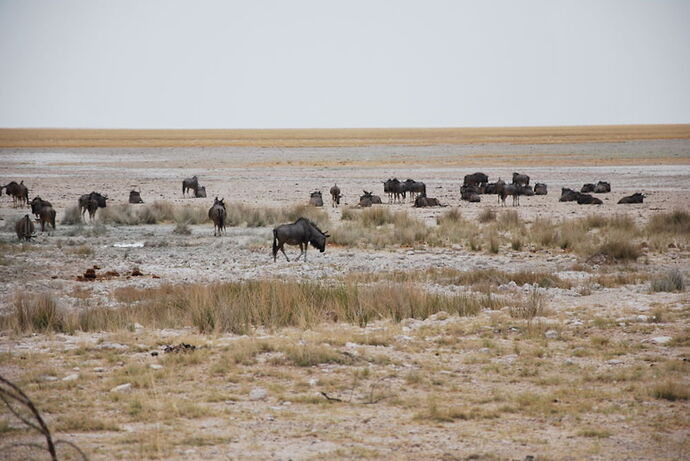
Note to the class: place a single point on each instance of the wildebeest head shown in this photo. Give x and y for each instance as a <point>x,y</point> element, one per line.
<point>99,198</point>
<point>220,202</point>
<point>317,237</point>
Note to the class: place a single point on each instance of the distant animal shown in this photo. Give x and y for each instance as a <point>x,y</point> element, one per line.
<point>500,185</point>
<point>423,201</point>
<point>513,190</point>
<point>24,228</point>
<point>395,190</point>
<point>469,193</point>
<point>315,199</point>
<point>526,191</point>
<point>37,203</point>
<point>135,197</point>
<point>540,188</point>
<point>520,179</point>
<point>602,187</point>
<point>587,188</point>
<point>91,202</point>
<point>586,199</point>
<point>637,197</point>
<point>490,188</point>
<point>47,216</point>
<point>190,183</point>
<point>302,232</point>
<point>335,195</point>
<point>18,191</point>
<point>369,199</point>
<point>200,192</point>
<point>413,187</point>
<point>217,214</point>
<point>475,179</point>
<point>568,195</point>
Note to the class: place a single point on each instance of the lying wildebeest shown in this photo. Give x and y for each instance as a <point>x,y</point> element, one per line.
<point>315,199</point>
<point>540,188</point>
<point>469,193</point>
<point>190,183</point>
<point>520,179</point>
<point>510,189</point>
<point>368,199</point>
<point>200,192</point>
<point>423,201</point>
<point>217,214</point>
<point>302,232</point>
<point>587,188</point>
<point>19,192</point>
<point>335,195</point>
<point>413,187</point>
<point>602,187</point>
<point>37,203</point>
<point>527,191</point>
<point>475,179</point>
<point>24,228</point>
<point>568,195</point>
<point>395,190</point>
<point>135,197</point>
<point>634,198</point>
<point>91,202</point>
<point>586,199</point>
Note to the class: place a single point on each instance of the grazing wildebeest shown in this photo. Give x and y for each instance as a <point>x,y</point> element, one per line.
<point>510,189</point>
<point>335,195</point>
<point>568,195</point>
<point>368,199</point>
<point>475,179</point>
<point>469,193</point>
<point>190,183</point>
<point>37,203</point>
<point>413,187</point>
<point>316,199</point>
<point>587,188</point>
<point>18,191</point>
<point>423,201</point>
<point>586,199</point>
<point>217,214</point>
<point>637,197</point>
<point>602,187</point>
<point>86,203</point>
<point>395,190</point>
<point>24,228</point>
<point>302,232</point>
<point>135,197</point>
<point>200,192</point>
<point>540,188</point>
<point>520,179</point>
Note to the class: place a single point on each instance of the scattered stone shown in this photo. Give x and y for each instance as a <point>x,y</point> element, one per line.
<point>50,378</point>
<point>551,334</point>
<point>258,393</point>
<point>72,377</point>
<point>661,339</point>
<point>484,350</point>
<point>138,326</point>
<point>122,388</point>
<point>99,369</point>
<point>116,346</point>
<point>156,366</point>
<point>614,362</point>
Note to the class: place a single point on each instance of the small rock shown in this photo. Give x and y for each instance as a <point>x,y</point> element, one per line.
<point>568,361</point>
<point>614,362</point>
<point>258,393</point>
<point>156,366</point>
<point>138,326</point>
<point>122,388</point>
<point>661,339</point>
<point>313,382</point>
<point>551,334</point>
<point>99,369</point>
<point>72,377</point>
<point>115,346</point>
<point>642,318</point>
<point>50,378</point>
<point>484,350</point>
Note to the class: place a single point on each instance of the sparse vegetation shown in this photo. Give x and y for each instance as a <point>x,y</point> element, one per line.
<point>154,213</point>
<point>671,281</point>
<point>671,390</point>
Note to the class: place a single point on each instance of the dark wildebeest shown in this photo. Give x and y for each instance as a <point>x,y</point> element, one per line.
<point>469,193</point>
<point>510,189</point>
<point>586,199</point>
<point>335,195</point>
<point>47,215</point>
<point>190,183</point>
<point>135,197</point>
<point>18,192</point>
<point>602,187</point>
<point>527,191</point>
<point>475,179</point>
<point>395,190</point>
<point>217,214</point>
<point>302,232</point>
<point>200,192</point>
<point>37,203</point>
<point>413,187</point>
<point>490,188</point>
<point>86,203</point>
<point>568,195</point>
<point>423,201</point>
<point>540,188</point>
<point>520,179</point>
<point>634,198</point>
<point>24,228</point>
<point>368,199</point>
<point>316,199</point>
<point>587,188</point>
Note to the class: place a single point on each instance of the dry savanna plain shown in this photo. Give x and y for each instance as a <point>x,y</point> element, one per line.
<point>544,331</point>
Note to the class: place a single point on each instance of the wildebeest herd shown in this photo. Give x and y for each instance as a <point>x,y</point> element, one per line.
<point>304,232</point>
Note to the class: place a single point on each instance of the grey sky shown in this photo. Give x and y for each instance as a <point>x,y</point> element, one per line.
<point>274,64</point>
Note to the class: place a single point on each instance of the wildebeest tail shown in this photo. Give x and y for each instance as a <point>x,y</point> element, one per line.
<point>275,243</point>
<point>52,218</point>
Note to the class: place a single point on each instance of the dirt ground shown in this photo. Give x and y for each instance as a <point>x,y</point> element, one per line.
<point>448,387</point>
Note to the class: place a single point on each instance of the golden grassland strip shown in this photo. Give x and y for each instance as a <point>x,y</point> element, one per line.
<point>332,137</point>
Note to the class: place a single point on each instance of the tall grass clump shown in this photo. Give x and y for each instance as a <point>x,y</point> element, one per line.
<point>34,313</point>
<point>72,216</point>
<point>534,306</point>
<point>676,222</point>
<point>379,227</point>
<point>618,250</point>
<point>671,281</point>
<point>487,215</point>
<point>160,211</point>
<point>239,214</point>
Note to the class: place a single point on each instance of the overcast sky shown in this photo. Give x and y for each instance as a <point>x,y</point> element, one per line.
<point>284,64</point>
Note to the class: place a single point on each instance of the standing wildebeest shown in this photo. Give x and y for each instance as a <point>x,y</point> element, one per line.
<point>18,192</point>
<point>395,190</point>
<point>369,199</point>
<point>316,199</point>
<point>540,188</point>
<point>24,228</point>
<point>520,179</point>
<point>190,183</point>
<point>476,179</point>
<point>91,202</point>
<point>135,197</point>
<point>335,196</point>
<point>37,203</point>
<point>568,195</point>
<point>200,192</point>
<point>634,198</point>
<point>302,232</point>
<point>586,199</point>
<point>217,214</point>
<point>423,201</point>
<point>510,189</point>
<point>413,187</point>
<point>587,188</point>
<point>602,187</point>
<point>469,193</point>
<point>45,212</point>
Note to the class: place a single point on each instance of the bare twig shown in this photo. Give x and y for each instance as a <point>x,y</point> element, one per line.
<point>331,399</point>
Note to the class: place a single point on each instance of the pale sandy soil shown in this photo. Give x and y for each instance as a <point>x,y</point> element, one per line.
<point>526,397</point>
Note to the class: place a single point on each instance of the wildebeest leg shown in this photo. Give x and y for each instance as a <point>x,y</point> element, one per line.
<point>284,254</point>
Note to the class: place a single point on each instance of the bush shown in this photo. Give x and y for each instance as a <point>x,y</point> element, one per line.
<point>618,250</point>
<point>487,215</point>
<point>675,222</point>
<point>72,216</point>
<point>671,281</point>
<point>35,313</point>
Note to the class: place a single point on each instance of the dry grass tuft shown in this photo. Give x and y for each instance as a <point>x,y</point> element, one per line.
<point>71,216</point>
<point>487,215</point>
<point>675,222</point>
<point>670,390</point>
<point>618,250</point>
<point>535,306</point>
<point>34,313</point>
<point>154,213</point>
<point>671,281</point>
